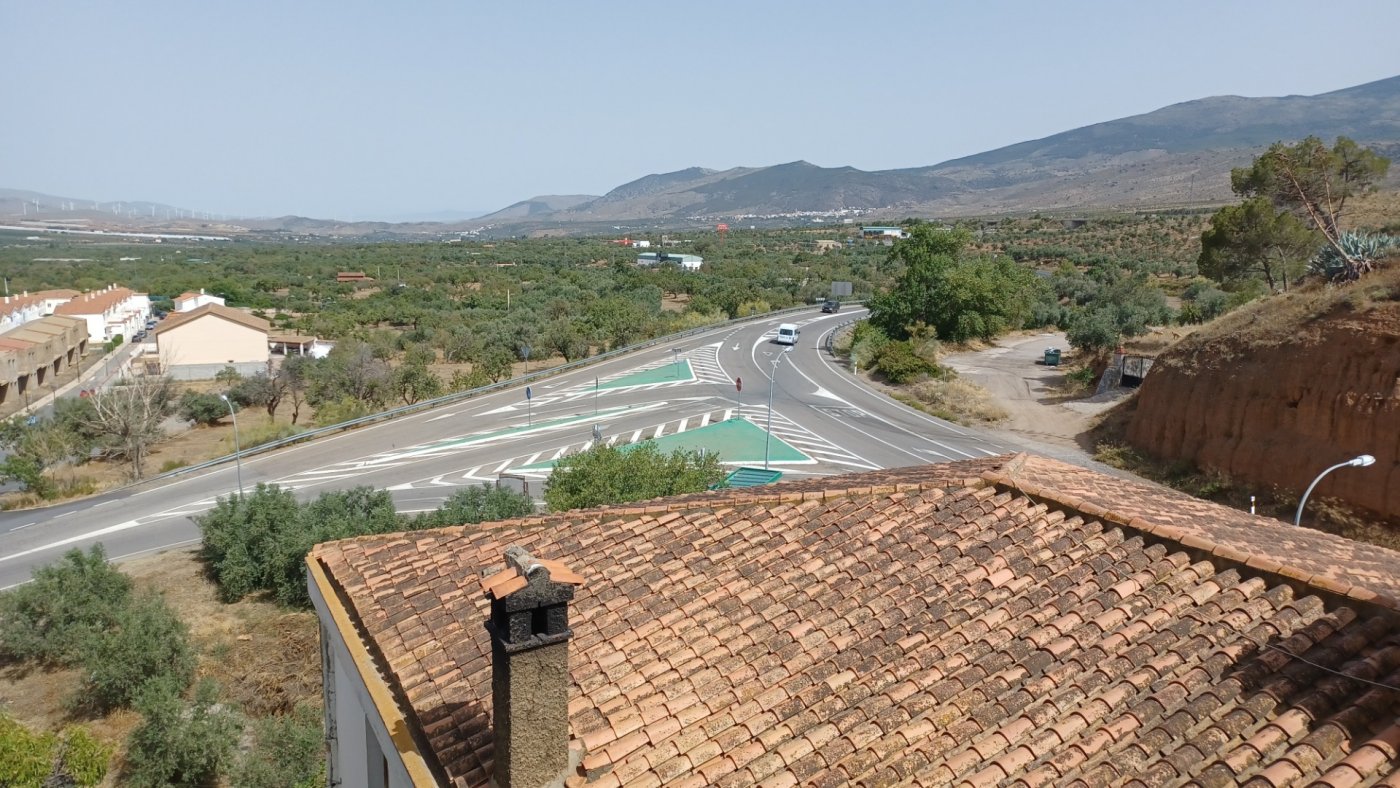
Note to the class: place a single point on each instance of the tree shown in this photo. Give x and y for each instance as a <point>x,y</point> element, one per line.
<point>477,505</point>
<point>414,382</point>
<point>607,474</point>
<point>1314,182</point>
<point>960,298</point>
<point>1253,239</point>
<point>128,417</point>
<point>261,389</point>
<point>202,408</point>
<point>1125,306</point>
<point>293,374</point>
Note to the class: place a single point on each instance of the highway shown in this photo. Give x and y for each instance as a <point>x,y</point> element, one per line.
<point>683,394</point>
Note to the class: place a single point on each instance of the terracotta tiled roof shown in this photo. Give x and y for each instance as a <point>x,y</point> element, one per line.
<point>218,310</point>
<point>94,303</point>
<point>931,625</point>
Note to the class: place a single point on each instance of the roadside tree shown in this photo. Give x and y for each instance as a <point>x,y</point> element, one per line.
<point>608,474</point>
<point>1253,240</point>
<point>1315,182</point>
<point>127,417</point>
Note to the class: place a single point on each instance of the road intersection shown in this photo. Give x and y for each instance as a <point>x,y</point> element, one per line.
<point>682,394</point>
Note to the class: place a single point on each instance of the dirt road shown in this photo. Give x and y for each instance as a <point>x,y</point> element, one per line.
<point>1013,371</point>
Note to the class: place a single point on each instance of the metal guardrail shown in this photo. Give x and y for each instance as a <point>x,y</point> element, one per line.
<point>458,396</point>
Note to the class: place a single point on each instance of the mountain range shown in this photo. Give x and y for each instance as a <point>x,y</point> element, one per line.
<point>1177,156</point>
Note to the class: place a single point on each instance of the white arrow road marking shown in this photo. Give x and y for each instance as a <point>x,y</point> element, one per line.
<point>506,409</point>
<point>443,416</point>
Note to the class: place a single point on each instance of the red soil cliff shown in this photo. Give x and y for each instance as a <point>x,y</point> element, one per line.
<point>1277,391</point>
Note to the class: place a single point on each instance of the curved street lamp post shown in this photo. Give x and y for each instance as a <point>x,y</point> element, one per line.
<point>1356,462</point>
<point>237,445</point>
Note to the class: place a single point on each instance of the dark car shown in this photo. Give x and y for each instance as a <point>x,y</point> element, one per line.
<point>831,305</point>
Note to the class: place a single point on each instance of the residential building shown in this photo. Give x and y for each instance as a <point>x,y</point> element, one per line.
<point>298,345</point>
<point>20,309</point>
<point>188,302</point>
<point>196,345</point>
<point>883,232</point>
<point>31,353</point>
<point>110,312</point>
<point>1006,621</point>
<point>688,262</point>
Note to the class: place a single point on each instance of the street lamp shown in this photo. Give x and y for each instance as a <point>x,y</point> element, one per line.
<point>768,437</point>
<point>237,446</point>
<point>1356,462</point>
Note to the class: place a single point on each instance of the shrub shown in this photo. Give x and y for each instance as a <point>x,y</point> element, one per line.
<point>240,534</point>
<point>26,758</point>
<point>476,505</point>
<point>29,759</point>
<point>179,743</point>
<point>172,465</point>
<point>83,757</point>
<point>608,474</point>
<point>259,542</point>
<point>148,642</point>
<point>69,603</point>
<point>341,410</point>
<point>203,408</point>
<point>263,433</point>
<point>334,515</point>
<point>288,750</point>
<point>899,364</point>
<point>229,376</point>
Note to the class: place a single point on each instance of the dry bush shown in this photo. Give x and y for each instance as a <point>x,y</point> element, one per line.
<point>955,400</point>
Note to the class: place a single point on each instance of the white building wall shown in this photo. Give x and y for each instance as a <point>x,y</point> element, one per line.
<point>363,750</point>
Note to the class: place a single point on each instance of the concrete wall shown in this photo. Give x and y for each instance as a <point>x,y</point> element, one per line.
<point>208,371</point>
<point>211,339</point>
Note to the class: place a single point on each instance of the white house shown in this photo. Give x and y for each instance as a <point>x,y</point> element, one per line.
<point>188,302</point>
<point>196,345</point>
<point>883,232</point>
<point>689,262</point>
<point>111,312</point>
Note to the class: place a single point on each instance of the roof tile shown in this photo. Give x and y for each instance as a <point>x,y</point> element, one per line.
<point>910,626</point>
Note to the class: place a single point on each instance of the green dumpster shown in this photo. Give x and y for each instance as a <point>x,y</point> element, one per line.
<point>1052,357</point>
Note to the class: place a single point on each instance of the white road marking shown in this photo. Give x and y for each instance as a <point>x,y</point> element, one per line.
<point>443,416</point>
<point>111,529</point>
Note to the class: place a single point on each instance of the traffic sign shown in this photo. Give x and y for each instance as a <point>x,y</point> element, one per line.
<point>738,384</point>
<point>527,394</point>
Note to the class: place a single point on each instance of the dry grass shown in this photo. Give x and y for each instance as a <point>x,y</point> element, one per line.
<point>1289,318</point>
<point>265,658</point>
<point>955,400</point>
<point>1109,446</point>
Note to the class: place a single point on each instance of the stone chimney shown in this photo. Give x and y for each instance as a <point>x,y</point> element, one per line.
<point>530,633</point>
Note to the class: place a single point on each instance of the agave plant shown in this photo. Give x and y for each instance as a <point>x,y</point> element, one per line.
<point>1357,255</point>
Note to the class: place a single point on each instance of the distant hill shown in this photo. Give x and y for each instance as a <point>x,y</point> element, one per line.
<point>1179,155</point>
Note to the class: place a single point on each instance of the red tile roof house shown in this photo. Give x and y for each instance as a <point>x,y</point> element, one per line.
<point>1011,621</point>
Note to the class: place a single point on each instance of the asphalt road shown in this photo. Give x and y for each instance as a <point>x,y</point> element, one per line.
<point>823,422</point>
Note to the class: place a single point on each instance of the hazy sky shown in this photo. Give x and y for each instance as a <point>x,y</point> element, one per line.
<point>384,109</point>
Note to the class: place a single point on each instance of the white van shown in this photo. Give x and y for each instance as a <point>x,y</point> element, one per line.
<point>787,334</point>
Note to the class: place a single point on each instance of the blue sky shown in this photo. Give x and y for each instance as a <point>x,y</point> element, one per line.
<point>377,110</point>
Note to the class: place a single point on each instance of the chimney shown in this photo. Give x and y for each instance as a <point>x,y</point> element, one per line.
<point>529,628</point>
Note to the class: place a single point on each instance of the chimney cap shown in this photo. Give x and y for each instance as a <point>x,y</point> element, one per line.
<point>524,571</point>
